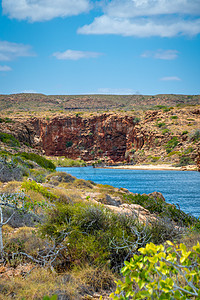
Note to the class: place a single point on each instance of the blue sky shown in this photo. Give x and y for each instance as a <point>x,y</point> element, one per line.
<point>100,47</point>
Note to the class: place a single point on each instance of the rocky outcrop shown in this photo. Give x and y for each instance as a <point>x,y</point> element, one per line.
<point>105,135</point>
<point>111,137</point>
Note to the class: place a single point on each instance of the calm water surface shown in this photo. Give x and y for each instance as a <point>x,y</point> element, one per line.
<point>182,188</point>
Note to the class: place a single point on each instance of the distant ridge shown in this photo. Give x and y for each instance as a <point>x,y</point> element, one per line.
<point>35,102</point>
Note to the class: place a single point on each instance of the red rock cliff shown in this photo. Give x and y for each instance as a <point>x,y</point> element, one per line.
<point>103,135</point>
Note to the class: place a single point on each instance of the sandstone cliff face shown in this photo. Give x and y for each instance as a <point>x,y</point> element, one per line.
<point>105,135</point>
<point>111,137</point>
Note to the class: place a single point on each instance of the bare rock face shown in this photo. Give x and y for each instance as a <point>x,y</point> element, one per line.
<point>105,135</point>
<point>136,210</point>
<point>21,129</point>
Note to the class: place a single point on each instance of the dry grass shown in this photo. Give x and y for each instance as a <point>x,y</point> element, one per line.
<point>22,239</point>
<point>95,278</point>
<point>68,191</point>
<point>11,187</point>
<point>39,283</point>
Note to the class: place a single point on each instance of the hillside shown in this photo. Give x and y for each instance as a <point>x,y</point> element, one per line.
<point>167,135</point>
<point>40,102</point>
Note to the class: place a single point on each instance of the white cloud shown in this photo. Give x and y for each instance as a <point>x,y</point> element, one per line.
<point>141,27</point>
<point>135,8</point>
<point>161,54</point>
<point>5,68</point>
<point>43,10</point>
<point>115,91</point>
<point>147,18</point>
<point>170,78</point>
<point>75,55</point>
<point>10,51</point>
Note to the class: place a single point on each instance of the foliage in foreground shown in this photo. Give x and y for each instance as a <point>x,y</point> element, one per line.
<point>161,273</point>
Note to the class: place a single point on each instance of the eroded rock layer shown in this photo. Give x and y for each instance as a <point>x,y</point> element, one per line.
<point>74,137</point>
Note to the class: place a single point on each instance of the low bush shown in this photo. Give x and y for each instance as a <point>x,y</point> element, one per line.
<point>67,162</point>
<point>69,144</point>
<point>174,117</point>
<point>161,124</point>
<point>95,235</point>
<point>184,161</point>
<point>184,132</point>
<point>162,209</point>
<point>171,144</point>
<point>195,135</point>
<point>6,120</point>
<point>40,160</point>
<point>34,186</point>
<point>189,150</point>
<point>136,120</point>
<point>166,130</point>
<point>9,139</point>
<point>174,153</point>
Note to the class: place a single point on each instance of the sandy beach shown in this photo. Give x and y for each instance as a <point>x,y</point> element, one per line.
<point>165,167</point>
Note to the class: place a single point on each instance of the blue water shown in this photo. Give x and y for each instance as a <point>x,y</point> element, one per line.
<point>182,188</point>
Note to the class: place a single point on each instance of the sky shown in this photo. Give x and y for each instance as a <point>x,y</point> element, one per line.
<point>123,47</point>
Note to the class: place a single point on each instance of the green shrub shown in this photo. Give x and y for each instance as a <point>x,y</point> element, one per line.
<point>6,120</point>
<point>195,135</point>
<point>162,209</point>
<point>95,235</point>
<point>173,153</point>
<point>184,161</point>
<point>34,186</point>
<point>132,151</point>
<point>174,117</point>
<point>136,120</point>
<point>189,150</point>
<point>171,144</point>
<point>166,130</point>
<point>67,162</point>
<point>69,144</point>
<point>184,132</point>
<point>40,160</point>
<point>155,158</point>
<point>161,124</point>
<point>9,139</point>
<point>163,107</point>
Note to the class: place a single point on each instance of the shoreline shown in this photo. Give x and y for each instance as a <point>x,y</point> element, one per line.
<point>164,167</point>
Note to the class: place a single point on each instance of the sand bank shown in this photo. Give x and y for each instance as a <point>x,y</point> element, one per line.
<point>165,167</point>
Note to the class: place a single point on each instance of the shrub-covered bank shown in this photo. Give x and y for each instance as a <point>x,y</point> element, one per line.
<point>74,235</point>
